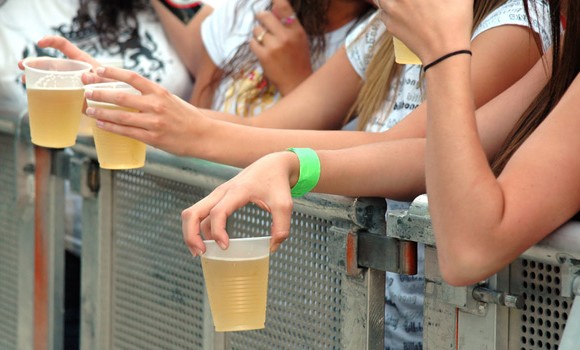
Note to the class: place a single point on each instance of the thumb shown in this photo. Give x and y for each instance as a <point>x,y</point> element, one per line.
<point>282,9</point>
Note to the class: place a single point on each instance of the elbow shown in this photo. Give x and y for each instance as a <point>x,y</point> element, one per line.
<point>464,268</point>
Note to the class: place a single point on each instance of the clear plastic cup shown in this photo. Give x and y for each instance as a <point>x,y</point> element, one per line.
<point>55,99</point>
<point>116,151</point>
<point>87,124</point>
<point>403,55</point>
<point>236,280</point>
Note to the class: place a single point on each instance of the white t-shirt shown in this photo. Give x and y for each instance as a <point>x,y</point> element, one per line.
<point>404,294</point>
<point>24,22</point>
<point>223,32</point>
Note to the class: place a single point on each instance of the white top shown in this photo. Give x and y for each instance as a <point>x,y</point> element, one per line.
<point>404,294</point>
<point>360,48</point>
<point>24,22</point>
<point>223,32</point>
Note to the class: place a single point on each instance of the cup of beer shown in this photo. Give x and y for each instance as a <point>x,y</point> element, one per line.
<point>403,55</point>
<point>236,280</point>
<point>116,151</point>
<point>87,124</point>
<point>55,99</point>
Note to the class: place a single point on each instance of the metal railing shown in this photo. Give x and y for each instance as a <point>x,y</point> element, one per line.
<point>526,306</point>
<point>142,289</point>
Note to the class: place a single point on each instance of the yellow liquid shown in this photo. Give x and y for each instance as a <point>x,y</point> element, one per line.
<point>115,151</point>
<point>403,55</point>
<point>54,116</point>
<point>237,291</point>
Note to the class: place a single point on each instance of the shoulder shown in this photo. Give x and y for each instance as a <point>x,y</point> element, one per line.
<point>513,12</point>
<point>360,43</point>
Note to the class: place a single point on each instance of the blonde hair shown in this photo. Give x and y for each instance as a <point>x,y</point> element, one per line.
<point>382,72</point>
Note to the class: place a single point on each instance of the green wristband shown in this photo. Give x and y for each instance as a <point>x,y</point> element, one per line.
<point>309,171</point>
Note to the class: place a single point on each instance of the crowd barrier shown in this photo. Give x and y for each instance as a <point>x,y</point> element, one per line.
<point>142,289</point>
<point>527,306</point>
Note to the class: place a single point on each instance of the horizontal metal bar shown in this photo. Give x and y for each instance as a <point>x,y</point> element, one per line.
<point>386,254</point>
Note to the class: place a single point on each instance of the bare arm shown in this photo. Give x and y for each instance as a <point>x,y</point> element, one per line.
<point>393,169</point>
<point>185,131</point>
<point>184,37</point>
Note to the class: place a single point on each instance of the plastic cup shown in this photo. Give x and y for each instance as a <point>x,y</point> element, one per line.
<point>116,151</point>
<point>236,280</point>
<point>55,99</point>
<point>403,55</point>
<point>87,124</point>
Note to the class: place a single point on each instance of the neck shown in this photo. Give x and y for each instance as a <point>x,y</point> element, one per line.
<point>340,12</point>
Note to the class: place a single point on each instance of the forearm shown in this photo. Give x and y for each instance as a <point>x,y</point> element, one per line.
<point>394,170</point>
<point>239,145</point>
<point>184,35</point>
<point>458,171</point>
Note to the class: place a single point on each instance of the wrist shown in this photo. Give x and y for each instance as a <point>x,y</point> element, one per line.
<point>308,171</point>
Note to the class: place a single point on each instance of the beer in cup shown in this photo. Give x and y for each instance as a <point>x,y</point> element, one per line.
<point>236,280</point>
<point>116,151</point>
<point>403,55</point>
<point>55,99</point>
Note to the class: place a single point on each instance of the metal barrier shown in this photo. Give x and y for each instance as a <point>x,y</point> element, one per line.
<point>16,236</point>
<point>526,306</point>
<point>142,289</point>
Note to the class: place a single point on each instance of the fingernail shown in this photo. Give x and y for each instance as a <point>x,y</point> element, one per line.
<point>100,70</point>
<point>88,93</point>
<point>222,245</point>
<point>100,123</point>
<point>199,252</point>
<point>90,111</point>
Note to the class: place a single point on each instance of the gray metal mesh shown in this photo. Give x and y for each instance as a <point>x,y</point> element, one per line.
<point>157,285</point>
<point>8,247</point>
<point>304,295</point>
<point>545,312</point>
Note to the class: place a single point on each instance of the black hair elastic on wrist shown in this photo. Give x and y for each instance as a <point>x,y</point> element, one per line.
<point>444,57</point>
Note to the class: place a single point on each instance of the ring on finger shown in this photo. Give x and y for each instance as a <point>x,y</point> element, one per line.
<point>289,20</point>
<point>260,37</point>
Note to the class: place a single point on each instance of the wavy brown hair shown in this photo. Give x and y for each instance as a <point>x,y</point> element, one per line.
<point>112,17</point>
<point>565,68</point>
<point>382,71</point>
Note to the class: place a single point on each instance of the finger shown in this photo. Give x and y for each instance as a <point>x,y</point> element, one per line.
<point>191,234</point>
<point>282,9</point>
<point>92,78</point>
<point>259,34</point>
<point>137,81</point>
<point>123,99</point>
<point>271,23</point>
<point>281,219</point>
<point>219,214</point>
<point>67,48</point>
<point>205,227</point>
<point>191,220</point>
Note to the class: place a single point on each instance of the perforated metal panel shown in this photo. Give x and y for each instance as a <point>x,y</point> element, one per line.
<point>157,284</point>
<point>8,247</point>
<point>545,312</point>
<point>304,296</point>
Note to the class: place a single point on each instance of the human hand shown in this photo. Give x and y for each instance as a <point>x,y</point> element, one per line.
<point>67,48</point>
<point>282,47</point>
<point>430,28</point>
<point>266,183</point>
<point>163,120</point>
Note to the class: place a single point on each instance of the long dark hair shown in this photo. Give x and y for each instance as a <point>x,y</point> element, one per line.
<point>565,67</point>
<point>111,17</point>
<point>313,16</point>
